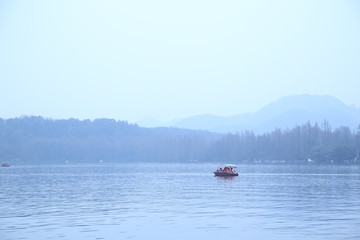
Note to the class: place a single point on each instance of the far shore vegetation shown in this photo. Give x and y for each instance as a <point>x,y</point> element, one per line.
<point>28,140</point>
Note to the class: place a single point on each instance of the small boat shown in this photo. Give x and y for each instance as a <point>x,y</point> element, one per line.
<point>228,170</point>
<point>5,164</point>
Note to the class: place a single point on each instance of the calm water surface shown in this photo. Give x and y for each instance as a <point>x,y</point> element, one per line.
<point>179,201</point>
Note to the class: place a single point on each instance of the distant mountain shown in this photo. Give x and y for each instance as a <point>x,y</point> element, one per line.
<point>284,113</point>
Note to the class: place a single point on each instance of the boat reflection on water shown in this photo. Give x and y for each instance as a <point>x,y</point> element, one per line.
<point>225,179</point>
<point>226,170</point>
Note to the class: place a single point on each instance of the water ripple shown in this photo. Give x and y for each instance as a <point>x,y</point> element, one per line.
<point>180,201</point>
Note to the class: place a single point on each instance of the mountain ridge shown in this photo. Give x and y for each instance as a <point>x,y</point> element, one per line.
<point>285,112</point>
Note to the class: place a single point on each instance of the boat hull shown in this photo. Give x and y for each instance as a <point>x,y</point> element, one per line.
<point>225,174</point>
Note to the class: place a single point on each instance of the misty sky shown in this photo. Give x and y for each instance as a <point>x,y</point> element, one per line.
<point>172,59</point>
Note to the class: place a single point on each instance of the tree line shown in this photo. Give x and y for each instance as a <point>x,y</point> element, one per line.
<point>39,140</point>
<point>303,143</point>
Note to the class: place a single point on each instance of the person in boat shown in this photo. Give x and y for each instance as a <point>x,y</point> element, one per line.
<point>226,169</point>
<point>220,170</point>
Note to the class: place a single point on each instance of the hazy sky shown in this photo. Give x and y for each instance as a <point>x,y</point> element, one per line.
<point>172,59</point>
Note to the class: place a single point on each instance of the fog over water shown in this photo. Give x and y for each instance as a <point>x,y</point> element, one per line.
<point>106,65</point>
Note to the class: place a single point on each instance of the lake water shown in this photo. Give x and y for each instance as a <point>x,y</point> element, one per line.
<point>179,201</point>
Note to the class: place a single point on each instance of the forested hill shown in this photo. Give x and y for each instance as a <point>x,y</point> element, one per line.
<point>29,140</point>
<point>36,139</point>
